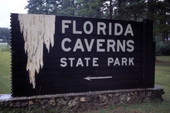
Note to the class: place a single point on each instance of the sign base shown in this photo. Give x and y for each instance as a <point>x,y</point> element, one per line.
<point>88,100</point>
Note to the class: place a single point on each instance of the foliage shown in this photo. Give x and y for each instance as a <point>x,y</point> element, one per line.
<point>131,10</point>
<point>161,16</point>
<point>67,8</point>
<point>42,6</point>
<point>163,48</point>
<point>83,8</point>
<point>5,34</point>
<point>90,8</point>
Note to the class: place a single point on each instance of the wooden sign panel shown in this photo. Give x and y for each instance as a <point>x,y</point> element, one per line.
<point>55,54</point>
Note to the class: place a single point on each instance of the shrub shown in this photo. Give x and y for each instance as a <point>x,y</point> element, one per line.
<point>5,47</point>
<point>163,48</point>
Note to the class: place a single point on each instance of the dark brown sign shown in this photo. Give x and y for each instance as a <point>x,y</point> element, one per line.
<point>55,54</point>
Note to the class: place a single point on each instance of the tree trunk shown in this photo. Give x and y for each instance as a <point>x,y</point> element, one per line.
<point>111,9</point>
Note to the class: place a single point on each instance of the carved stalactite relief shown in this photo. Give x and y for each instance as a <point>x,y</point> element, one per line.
<point>37,30</point>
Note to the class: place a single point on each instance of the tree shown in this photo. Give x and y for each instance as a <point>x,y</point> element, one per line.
<point>68,8</point>
<point>55,7</point>
<point>130,10</point>
<point>90,8</point>
<point>43,6</point>
<point>83,8</point>
<point>162,21</point>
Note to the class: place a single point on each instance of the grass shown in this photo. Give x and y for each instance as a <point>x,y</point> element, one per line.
<point>162,78</point>
<point>156,107</point>
<point>5,75</point>
<point>162,71</point>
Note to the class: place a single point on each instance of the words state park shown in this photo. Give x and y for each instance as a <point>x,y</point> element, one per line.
<point>98,45</point>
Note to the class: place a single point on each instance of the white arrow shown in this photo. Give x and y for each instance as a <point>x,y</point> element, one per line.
<point>89,78</point>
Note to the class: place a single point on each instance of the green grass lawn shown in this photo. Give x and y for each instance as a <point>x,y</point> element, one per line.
<point>162,78</point>
<point>5,75</point>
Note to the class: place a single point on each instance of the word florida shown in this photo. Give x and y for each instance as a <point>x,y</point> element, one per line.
<point>97,28</point>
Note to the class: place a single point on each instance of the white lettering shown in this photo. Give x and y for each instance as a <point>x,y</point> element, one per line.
<point>74,28</point>
<point>120,27</point>
<point>71,61</point>
<point>130,46</point>
<point>63,62</point>
<point>95,64</point>
<point>110,45</point>
<point>129,30</point>
<point>87,61</point>
<point>110,28</point>
<point>131,63</point>
<point>116,62</point>
<point>79,63</point>
<point>99,45</point>
<point>120,61</point>
<point>78,45</point>
<point>101,26</point>
<point>109,61</point>
<point>63,45</point>
<point>64,26</point>
<point>85,27</point>
<point>124,61</point>
<point>89,46</point>
<point>121,46</point>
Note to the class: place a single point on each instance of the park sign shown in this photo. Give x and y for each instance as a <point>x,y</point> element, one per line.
<point>57,54</point>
